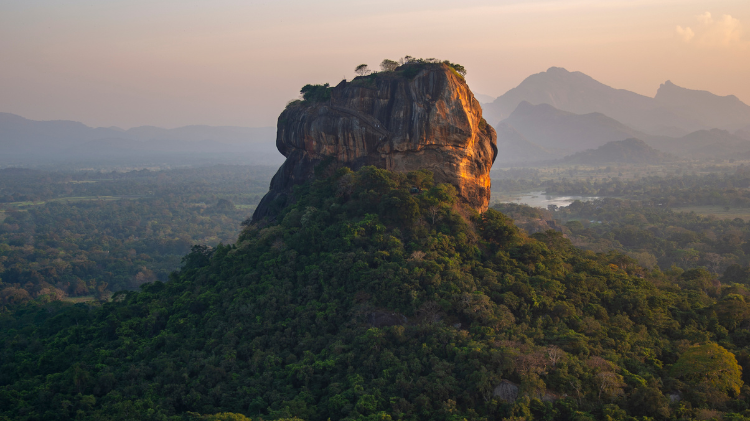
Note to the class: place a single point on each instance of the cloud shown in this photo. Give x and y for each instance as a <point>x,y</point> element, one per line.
<point>725,31</point>
<point>687,34</point>
<point>705,18</point>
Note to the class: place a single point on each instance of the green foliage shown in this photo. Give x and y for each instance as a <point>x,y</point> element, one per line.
<point>497,228</point>
<point>410,71</point>
<point>483,124</point>
<point>710,371</point>
<point>411,66</point>
<point>388,65</point>
<point>90,233</point>
<point>346,309</point>
<point>653,235</point>
<point>461,70</point>
<point>725,189</point>
<point>222,416</point>
<point>421,179</point>
<point>316,93</point>
<point>362,70</point>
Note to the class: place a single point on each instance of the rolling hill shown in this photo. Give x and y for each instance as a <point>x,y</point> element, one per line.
<point>703,144</point>
<point>628,151</point>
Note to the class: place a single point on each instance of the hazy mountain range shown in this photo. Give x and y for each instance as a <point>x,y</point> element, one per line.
<point>561,132</point>
<point>514,147</point>
<point>557,113</point>
<point>24,141</point>
<point>675,111</point>
<point>548,116</point>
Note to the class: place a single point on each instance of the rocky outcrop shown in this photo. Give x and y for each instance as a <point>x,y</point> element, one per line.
<point>418,116</point>
<point>506,391</point>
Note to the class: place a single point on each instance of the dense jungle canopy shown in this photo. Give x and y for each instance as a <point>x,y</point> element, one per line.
<point>377,296</point>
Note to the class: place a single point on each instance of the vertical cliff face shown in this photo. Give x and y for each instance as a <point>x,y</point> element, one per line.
<point>419,116</point>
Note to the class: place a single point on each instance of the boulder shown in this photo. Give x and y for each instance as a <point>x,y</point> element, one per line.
<point>420,116</point>
<point>506,391</point>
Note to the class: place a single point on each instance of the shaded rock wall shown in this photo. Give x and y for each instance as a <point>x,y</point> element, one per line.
<point>393,121</point>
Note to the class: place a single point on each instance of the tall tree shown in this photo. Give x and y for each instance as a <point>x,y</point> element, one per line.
<point>388,65</point>
<point>362,70</point>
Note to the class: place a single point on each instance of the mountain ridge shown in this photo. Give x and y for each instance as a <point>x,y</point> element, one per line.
<point>714,143</point>
<point>514,147</point>
<point>26,141</point>
<point>579,93</point>
<point>715,111</point>
<point>560,133</point>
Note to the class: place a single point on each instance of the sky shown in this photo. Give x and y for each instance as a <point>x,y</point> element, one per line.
<point>171,63</point>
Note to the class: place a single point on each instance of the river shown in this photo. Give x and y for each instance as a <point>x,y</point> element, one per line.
<point>539,199</point>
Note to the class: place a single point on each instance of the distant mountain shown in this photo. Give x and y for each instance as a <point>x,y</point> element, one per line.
<point>26,141</point>
<point>484,99</point>
<point>581,94</point>
<point>18,134</point>
<point>713,111</point>
<point>534,133</point>
<point>513,147</point>
<point>714,143</point>
<point>561,132</point>
<point>628,151</point>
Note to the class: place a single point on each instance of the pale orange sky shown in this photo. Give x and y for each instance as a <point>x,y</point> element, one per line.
<point>227,62</point>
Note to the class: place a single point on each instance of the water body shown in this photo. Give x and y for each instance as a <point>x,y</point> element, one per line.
<point>539,199</point>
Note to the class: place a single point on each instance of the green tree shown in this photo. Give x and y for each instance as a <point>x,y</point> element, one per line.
<point>316,93</point>
<point>362,70</point>
<point>388,65</point>
<point>711,372</point>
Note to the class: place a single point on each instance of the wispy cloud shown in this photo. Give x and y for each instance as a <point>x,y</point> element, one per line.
<point>725,31</point>
<point>685,33</point>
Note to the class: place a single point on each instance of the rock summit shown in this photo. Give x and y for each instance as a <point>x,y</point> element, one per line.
<point>418,116</point>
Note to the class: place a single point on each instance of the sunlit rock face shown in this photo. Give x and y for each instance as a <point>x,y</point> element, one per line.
<point>429,120</point>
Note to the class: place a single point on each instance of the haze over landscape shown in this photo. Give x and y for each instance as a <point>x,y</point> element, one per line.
<point>375,210</point>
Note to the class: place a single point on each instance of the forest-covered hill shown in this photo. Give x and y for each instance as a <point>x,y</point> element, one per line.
<point>364,300</point>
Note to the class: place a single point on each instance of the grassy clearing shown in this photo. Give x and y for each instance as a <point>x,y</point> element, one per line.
<point>718,211</point>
